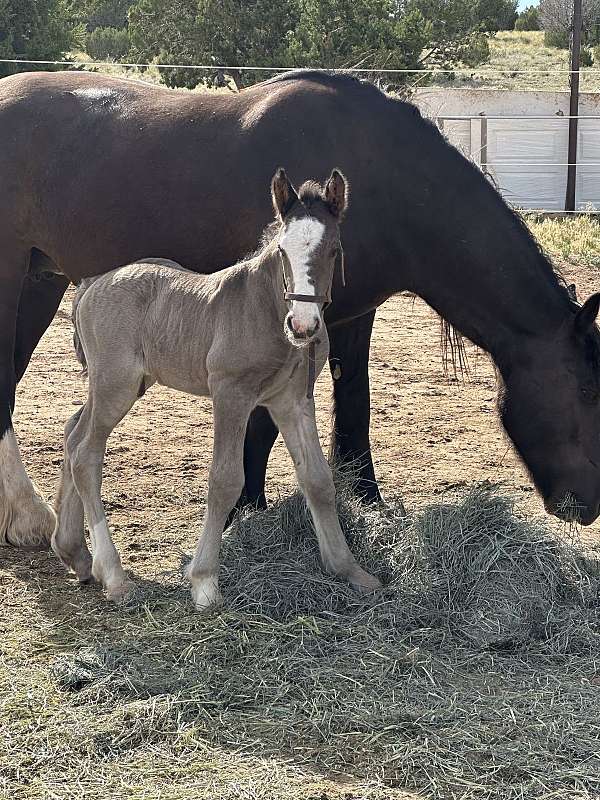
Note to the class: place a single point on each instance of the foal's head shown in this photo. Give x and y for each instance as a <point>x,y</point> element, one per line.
<point>309,243</point>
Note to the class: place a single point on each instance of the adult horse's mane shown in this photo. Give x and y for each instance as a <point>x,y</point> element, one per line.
<point>454,355</point>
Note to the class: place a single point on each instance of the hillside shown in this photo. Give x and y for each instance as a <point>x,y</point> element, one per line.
<point>512,51</point>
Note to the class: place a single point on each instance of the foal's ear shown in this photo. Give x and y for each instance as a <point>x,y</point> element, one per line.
<point>586,316</point>
<point>336,193</point>
<point>283,193</point>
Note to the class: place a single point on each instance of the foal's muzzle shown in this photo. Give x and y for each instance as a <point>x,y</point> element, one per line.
<point>300,333</point>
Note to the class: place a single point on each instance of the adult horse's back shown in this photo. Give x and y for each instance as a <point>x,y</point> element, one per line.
<point>96,172</point>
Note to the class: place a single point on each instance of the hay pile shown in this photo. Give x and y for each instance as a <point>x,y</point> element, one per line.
<point>474,674</point>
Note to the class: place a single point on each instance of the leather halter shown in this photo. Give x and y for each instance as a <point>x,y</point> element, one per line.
<point>319,299</point>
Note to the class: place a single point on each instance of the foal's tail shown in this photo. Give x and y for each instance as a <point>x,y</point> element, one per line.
<point>82,288</point>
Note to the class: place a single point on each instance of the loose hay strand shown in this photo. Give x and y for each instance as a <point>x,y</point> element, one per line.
<point>473,674</point>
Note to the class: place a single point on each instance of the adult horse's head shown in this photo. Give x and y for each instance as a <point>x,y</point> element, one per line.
<point>550,407</point>
<point>309,244</point>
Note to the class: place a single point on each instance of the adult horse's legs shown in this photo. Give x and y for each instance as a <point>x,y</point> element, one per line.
<point>39,301</point>
<point>225,482</point>
<point>261,434</point>
<point>299,430</point>
<point>68,540</point>
<point>25,519</point>
<point>349,364</point>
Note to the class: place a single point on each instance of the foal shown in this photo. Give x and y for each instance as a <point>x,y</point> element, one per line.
<point>241,336</point>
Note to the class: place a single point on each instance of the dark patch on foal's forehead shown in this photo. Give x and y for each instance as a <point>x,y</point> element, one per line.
<point>311,203</point>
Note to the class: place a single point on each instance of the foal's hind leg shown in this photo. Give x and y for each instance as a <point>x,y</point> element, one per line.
<point>86,447</point>
<point>296,421</point>
<point>68,540</point>
<point>231,410</point>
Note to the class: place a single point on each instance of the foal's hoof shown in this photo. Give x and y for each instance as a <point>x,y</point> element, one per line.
<point>363,581</point>
<point>121,593</point>
<point>206,594</point>
<point>78,562</point>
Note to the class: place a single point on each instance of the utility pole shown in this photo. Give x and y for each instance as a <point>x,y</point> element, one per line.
<point>574,106</point>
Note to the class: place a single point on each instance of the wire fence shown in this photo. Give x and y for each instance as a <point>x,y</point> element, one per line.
<point>258,68</point>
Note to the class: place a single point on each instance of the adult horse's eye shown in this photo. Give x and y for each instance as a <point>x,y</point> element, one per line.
<point>590,395</point>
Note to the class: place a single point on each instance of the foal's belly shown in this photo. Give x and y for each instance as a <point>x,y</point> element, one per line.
<point>178,372</point>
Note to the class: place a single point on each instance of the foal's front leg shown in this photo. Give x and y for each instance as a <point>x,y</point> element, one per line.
<point>296,421</point>
<point>231,409</point>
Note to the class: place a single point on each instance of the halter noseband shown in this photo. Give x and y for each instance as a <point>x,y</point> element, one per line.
<point>319,299</point>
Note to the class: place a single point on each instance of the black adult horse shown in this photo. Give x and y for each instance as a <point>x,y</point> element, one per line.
<point>97,172</point>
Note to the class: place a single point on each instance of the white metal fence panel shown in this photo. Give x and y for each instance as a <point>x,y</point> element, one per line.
<point>527,159</point>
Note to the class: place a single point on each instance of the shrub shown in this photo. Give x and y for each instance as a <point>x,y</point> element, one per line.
<point>107,43</point>
<point>586,59</point>
<point>35,29</point>
<point>556,38</point>
<point>528,20</point>
<point>476,51</point>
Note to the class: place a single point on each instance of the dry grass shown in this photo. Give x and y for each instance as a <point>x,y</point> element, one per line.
<point>514,50</point>
<point>473,674</point>
<point>572,239</point>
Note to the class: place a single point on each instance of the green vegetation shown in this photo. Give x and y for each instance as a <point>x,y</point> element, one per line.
<point>379,34</point>
<point>575,238</point>
<point>35,29</point>
<point>556,38</point>
<point>528,19</point>
<point>335,33</point>
<point>102,13</point>
<point>107,43</point>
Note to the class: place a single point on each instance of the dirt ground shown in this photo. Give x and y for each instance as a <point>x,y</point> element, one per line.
<point>430,434</point>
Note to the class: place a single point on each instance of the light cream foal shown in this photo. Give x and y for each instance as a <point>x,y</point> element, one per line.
<point>240,336</point>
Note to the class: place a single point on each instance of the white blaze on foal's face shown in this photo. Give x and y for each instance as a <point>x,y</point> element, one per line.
<point>300,241</point>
